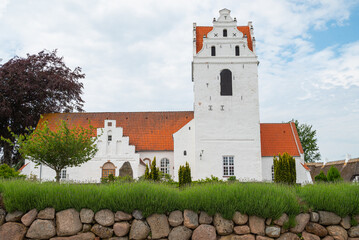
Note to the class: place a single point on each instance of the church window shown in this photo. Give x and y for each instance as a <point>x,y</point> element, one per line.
<point>226,82</point>
<point>224,32</point>
<point>237,50</point>
<point>228,166</point>
<point>107,169</point>
<point>213,51</point>
<point>185,153</point>
<point>272,173</point>
<point>109,138</point>
<point>165,165</point>
<point>109,124</point>
<point>63,174</point>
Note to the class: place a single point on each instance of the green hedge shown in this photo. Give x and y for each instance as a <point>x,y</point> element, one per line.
<point>262,199</point>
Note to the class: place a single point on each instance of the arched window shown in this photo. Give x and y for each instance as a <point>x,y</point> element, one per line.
<point>165,165</point>
<point>109,136</point>
<point>237,50</point>
<point>224,32</point>
<point>213,51</point>
<point>107,169</point>
<point>226,83</point>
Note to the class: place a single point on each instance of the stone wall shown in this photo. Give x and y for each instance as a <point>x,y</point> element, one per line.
<point>105,224</point>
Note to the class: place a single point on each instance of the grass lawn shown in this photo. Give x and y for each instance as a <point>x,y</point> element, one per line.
<point>262,199</point>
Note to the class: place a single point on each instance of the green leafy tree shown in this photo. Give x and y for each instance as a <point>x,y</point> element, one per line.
<point>321,177</point>
<point>333,174</point>
<point>308,139</point>
<point>184,175</point>
<point>59,148</point>
<point>284,169</point>
<point>8,172</point>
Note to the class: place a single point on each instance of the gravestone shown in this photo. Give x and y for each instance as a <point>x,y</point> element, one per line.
<point>126,170</point>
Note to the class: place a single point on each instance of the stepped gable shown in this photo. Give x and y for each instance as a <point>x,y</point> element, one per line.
<point>147,131</point>
<point>279,138</point>
<point>203,30</point>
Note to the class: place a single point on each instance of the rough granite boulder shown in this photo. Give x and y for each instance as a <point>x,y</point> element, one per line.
<point>180,233</point>
<point>101,231</point>
<point>345,222</point>
<point>239,218</point>
<point>121,228</point>
<point>328,238</point>
<point>47,214</point>
<point>86,227</point>
<point>190,219</point>
<point>301,221</point>
<point>29,217</point>
<point>139,230</point>
<point>337,232</point>
<point>41,229</point>
<point>238,237</point>
<point>204,232</point>
<point>80,236</point>
<point>14,216</point>
<point>309,236</point>
<point>204,218</point>
<point>105,217</point>
<point>137,214</point>
<point>316,229</point>
<point>328,218</point>
<point>175,218</point>
<point>273,231</point>
<point>12,231</point>
<point>314,217</point>
<point>159,225</point>
<point>354,232</point>
<point>86,215</point>
<point>288,236</point>
<point>68,222</point>
<point>223,226</point>
<point>122,216</point>
<point>280,221</point>
<point>258,237</point>
<point>241,230</point>
<point>256,224</point>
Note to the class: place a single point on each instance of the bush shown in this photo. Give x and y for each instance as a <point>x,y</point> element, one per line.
<point>321,177</point>
<point>333,175</point>
<point>154,174</point>
<point>284,169</point>
<point>232,179</point>
<point>184,175</point>
<point>8,172</point>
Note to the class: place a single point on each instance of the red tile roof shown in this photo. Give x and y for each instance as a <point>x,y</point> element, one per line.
<point>152,131</point>
<point>201,31</point>
<point>147,131</point>
<point>279,138</point>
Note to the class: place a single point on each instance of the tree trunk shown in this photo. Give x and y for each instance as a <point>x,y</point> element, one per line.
<point>58,176</point>
<point>7,154</point>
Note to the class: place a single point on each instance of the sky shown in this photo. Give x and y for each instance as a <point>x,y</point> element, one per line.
<point>137,55</point>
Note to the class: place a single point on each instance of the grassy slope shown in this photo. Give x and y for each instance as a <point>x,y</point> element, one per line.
<point>261,199</point>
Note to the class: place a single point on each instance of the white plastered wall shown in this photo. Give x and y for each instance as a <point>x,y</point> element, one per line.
<point>184,140</point>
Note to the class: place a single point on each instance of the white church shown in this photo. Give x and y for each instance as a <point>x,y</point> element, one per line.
<point>222,136</point>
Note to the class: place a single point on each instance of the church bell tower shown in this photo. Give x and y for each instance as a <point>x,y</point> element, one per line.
<point>226,106</point>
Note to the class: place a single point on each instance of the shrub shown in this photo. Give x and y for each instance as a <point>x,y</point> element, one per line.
<point>184,175</point>
<point>8,172</point>
<point>333,175</point>
<point>321,177</point>
<point>284,169</point>
<point>231,179</point>
<point>154,174</point>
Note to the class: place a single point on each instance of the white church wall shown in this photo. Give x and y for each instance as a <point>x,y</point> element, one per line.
<point>159,156</point>
<point>184,147</point>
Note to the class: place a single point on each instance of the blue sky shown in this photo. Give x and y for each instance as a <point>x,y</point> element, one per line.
<point>137,55</point>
